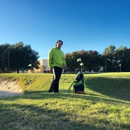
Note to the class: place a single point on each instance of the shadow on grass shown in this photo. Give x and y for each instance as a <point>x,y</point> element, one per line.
<point>4,94</point>
<point>118,88</point>
<point>31,117</point>
<point>39,95</point>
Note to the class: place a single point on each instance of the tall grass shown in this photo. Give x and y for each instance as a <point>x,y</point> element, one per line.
<point>105,106</point>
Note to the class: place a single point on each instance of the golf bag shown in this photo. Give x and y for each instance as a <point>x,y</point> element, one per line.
<point>78,83</point>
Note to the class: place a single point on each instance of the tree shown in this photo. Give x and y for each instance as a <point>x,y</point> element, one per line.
<point>91,60</point>
<point>4,56</point>
<point>117,59</point>
<point>70,62</point>
<point>125,59</point>
<point>21,56</point>
<point>109,55</point>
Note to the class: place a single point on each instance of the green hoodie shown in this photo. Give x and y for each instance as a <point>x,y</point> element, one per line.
<point>56,58</point>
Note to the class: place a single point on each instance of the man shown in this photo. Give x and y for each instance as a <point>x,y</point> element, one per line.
<point>56,61</point>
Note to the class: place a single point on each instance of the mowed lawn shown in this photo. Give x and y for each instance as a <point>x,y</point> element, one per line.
<point>105,106</point>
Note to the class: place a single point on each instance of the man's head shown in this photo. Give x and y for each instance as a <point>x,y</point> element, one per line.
<point>59,43</point>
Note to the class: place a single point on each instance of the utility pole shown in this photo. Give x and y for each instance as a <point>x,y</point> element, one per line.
<point>8,60</point>
<point>105,62</point>
<point>120,67</point>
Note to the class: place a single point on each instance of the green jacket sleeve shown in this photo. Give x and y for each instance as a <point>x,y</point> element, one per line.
<point>64,61</point>
<point>50,58</point>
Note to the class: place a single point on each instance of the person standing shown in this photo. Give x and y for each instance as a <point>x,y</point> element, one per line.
<point>56,62</point>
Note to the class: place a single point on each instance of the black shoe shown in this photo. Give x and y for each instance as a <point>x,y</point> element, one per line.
<point>50,91</point>
<point>56,92</point>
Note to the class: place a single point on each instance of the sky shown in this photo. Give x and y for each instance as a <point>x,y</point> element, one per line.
<point>80,24</point>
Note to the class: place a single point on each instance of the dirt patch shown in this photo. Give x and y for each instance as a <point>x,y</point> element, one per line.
<point>10,88</point>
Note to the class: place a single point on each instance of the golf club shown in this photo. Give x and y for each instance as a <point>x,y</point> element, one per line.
<point>63,80</point>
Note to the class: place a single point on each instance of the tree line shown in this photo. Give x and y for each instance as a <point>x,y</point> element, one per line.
<point>112,59</point>
<point>18,57</point>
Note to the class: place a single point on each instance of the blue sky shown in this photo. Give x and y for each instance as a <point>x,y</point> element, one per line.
<point>81,24</point>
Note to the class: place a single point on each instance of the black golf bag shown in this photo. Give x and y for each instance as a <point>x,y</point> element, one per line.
<point>78,83</point>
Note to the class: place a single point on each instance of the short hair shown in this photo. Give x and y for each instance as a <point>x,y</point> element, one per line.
<point>59,41</point>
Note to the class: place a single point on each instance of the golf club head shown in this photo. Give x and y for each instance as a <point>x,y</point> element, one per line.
<point>81,64</point>
<point>79,60</point>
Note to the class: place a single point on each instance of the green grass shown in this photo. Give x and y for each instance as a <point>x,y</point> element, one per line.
<point>106,106</point>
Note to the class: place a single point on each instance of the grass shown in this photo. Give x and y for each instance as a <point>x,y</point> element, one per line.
<point>106,106</point>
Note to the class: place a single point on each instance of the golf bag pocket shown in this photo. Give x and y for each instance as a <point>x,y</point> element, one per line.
<point>78,86</point>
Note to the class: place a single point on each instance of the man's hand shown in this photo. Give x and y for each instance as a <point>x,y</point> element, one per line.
<point>50,70</point>
<point>64,66</point>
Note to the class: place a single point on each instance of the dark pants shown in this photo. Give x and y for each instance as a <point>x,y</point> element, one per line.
<point>56,77</point>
